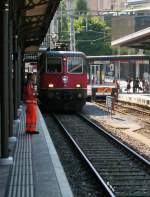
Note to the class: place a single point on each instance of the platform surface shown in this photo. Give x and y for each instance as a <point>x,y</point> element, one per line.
<point>139,99</point>
<point>36,169</point>
<point>116,120</point>
<point>122,123</point>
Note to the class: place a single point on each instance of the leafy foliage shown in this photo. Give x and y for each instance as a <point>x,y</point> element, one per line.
<point>93,36</point>
<point>81,5</point>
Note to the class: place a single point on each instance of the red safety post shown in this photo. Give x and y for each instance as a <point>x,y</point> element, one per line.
<point>31,106</point>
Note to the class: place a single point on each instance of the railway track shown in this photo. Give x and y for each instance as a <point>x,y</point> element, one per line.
<point>120,170</point>
<point>134,108</point>
<point>141,114</point>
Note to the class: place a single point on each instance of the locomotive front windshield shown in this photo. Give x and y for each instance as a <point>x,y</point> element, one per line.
<point>53,65</point>
<point>75,65</point>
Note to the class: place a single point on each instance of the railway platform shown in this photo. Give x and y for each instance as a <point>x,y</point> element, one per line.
<point>138,99</point>
<point>36,170</point>
<point>116,120</point>
<point>119,122</point>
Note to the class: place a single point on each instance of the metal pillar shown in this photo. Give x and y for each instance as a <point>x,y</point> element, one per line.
<point>119,66</point>
<point>11,110</point>
<point>4,101</point>
<point>22,79</point>
<point>137,68</point>
<point>134,76</point>
<point>16,77</point>
<point>19,75</point>
<point>72,31</point>
<point>72,34</point>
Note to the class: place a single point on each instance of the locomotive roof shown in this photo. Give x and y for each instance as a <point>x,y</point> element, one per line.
<point>66,53</point>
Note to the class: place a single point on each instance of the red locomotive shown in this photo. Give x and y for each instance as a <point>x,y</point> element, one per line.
<point>63,80</point>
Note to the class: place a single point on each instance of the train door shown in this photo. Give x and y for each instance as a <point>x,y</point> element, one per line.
<point>95,78</point>
<point>101,80</point>
<point>95,75</point>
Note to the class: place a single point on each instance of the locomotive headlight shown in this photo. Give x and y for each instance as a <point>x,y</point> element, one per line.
<point>78,86</point>
<point>65,79</point>
<point>50,85</point>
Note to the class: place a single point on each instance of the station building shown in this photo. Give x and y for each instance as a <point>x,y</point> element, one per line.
<point>138,40</point>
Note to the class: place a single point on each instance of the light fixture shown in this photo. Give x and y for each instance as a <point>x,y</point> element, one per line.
<point>78,86</point>
<point>50,85</point>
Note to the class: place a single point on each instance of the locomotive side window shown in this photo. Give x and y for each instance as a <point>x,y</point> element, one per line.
<point>53,65</point>
<point>75,65</point>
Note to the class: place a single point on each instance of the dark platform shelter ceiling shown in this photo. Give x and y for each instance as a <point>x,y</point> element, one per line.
<point>139,39</point>
<point>37,15</point>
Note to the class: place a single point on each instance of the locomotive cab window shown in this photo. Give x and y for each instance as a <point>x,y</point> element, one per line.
<point>75,65</point>
<point>54,65</point>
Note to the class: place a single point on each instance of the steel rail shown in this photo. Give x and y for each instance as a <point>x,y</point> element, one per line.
<point>121,112</point>
<point>115,164</point>
<point>85,158</point>
<point>116,140</point>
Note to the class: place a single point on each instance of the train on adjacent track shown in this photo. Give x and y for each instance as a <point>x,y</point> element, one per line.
<point>108,75</point>
<point>101,77</point>
<point>63,80</point>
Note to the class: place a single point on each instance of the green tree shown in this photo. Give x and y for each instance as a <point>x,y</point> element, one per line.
<point>92,36</point>
<point>81,5</point>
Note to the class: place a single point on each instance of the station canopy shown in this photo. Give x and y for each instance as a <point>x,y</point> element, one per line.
<point>139,39</point>
<point>36,19</point>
